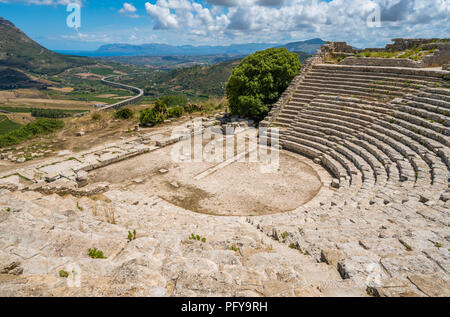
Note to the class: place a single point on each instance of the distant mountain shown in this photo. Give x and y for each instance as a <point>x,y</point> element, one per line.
<point>18,51</point>
<point>309,47</point>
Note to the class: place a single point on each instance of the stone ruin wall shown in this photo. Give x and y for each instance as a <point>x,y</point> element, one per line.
<point>440,57</point>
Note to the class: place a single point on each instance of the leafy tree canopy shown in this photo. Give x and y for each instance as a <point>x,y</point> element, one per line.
<point>259,80</point>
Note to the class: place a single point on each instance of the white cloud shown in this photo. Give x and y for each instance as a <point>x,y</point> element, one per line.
<point>261,20</point>
<point>129,10</point>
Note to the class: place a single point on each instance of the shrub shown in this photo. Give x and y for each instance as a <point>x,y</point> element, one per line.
<point>151,116</point>
<point>96,254</point>
<point>190,108</point>
<point>96,116</point>
<point>30,130</point>
<point>63,274</point>
<point>259,80</point>
<point>175,112</point>
<point>124,113</point>
<point>161,107</point>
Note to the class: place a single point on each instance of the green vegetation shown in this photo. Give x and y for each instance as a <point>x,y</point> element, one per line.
<point>124,113</point>
<point>53,113</point>
<point>176,112</point>
<point>438,245</point>
<point>103,71</point>
<point>12,78</point>
<point>259,81</point>
<point>196,83</point>
<point>377,54</point>
<point>197,238</point>
<point>79,207</point>
<point>151,116</point>
<point>131,235</point>
<point>284,235</point>
<point>63,274</point>
<point>96,254</point>
<point>31,130</point>
<point>235,249</point>
<point>7,125</point>
<point>172,101</point>
<point>415,54</point>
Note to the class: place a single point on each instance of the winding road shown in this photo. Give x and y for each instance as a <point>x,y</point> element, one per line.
<point>122,103</point>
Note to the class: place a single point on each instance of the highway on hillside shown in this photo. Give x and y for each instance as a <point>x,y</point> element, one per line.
<point>122,103</point>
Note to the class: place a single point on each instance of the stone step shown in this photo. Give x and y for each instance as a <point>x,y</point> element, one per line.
<point>432,101</point>
<point>384,71</point>
<point>401,81</point>
<point>436,127</point>
<point>363,84</point>
<point>343,89</point>
<point>425,114</point>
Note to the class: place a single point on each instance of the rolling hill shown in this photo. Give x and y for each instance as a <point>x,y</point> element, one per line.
<point>196,81</point>
<point>18,51</point>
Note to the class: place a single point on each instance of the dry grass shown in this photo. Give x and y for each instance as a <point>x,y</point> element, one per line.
<point>107,211</point>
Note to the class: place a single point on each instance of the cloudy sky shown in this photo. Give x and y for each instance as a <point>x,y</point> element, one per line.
<point>211,22</point>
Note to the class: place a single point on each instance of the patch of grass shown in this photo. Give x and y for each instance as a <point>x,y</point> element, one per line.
<point>438,245</point>
<point>79,207</point>
<point>234,248</point>
<point>284,235</point>
<point>63,274</point>
<point>30,131</point>
<point>131,235</point>
<point>96,254</point>
<point>197,238</point>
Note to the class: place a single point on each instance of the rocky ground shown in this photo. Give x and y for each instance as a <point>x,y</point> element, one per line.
<point>77,226</point>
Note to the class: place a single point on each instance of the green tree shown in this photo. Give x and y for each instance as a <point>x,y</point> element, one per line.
<point>259,80</point>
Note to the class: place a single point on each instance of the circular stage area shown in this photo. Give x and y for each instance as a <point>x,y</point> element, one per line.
<point>225,189</point>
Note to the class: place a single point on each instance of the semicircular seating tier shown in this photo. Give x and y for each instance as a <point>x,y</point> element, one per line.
<point>383,134</point>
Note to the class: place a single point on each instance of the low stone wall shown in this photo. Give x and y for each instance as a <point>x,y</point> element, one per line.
<point>437,59</point>
<point>388,62</point>
<point>407,44</point>
<point>404,71</point>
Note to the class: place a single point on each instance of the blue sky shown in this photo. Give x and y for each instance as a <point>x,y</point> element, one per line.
<point>218,22</point>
